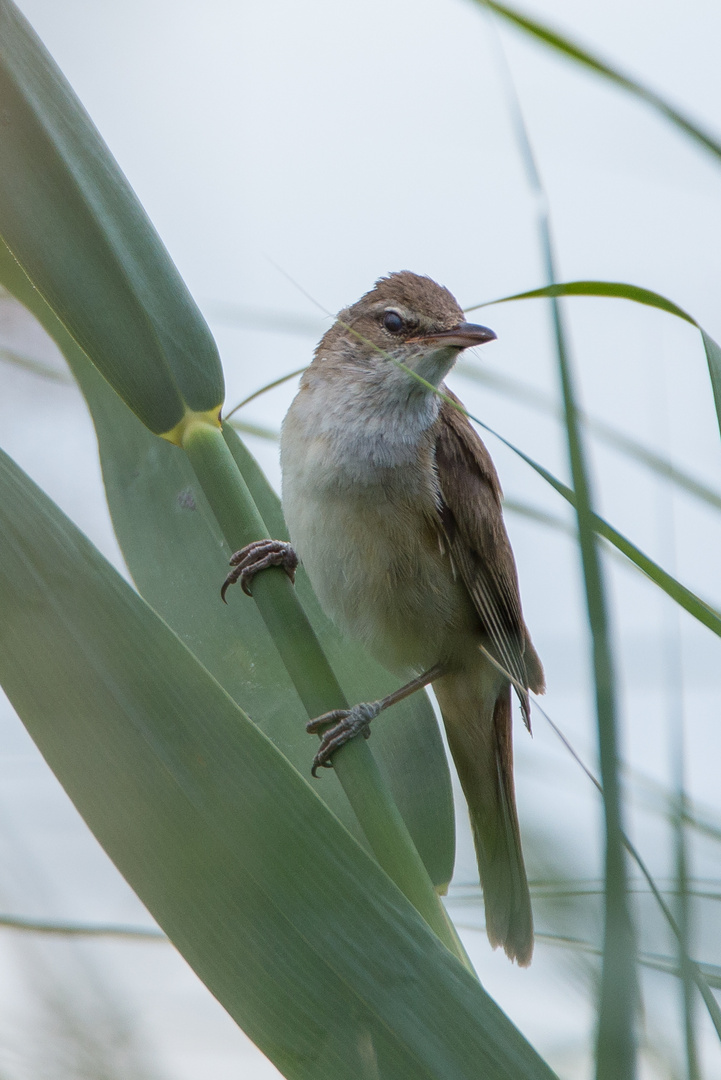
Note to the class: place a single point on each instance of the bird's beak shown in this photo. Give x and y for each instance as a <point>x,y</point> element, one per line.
<point>458,337</point>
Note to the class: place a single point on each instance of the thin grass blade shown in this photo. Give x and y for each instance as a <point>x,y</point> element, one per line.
<point>623,291</point>
<point>264,390</point>
<point>618,1001</point>
<point>687,599</point>
<point>616,1042</point>
<point>713,357</point>
<point>606,433</point>
<point>258,431</point>
<point>696,971</point>
<point>29,363</point>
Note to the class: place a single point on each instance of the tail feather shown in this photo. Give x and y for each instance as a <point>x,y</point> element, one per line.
<point>477,718</point>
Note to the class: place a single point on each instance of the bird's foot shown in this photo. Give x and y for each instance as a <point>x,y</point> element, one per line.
<point>346,724</point>
<point>258,556</point>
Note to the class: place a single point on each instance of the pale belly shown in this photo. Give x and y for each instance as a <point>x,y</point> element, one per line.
<point>377,563</point>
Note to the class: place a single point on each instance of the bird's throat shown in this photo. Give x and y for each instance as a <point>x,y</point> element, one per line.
<point>433,365</point>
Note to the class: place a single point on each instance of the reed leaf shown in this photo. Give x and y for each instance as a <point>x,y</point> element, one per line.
<point>295,930</point>
<point>72,221</point>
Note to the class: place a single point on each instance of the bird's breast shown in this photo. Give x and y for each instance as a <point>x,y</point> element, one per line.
<point>367,533</point>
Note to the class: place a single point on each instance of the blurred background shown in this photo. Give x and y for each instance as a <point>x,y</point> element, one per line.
<point>289,155</point>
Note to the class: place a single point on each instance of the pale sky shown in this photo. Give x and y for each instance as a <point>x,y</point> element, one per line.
<point>334,143</point>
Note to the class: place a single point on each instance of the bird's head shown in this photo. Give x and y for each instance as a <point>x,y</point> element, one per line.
<point>409,318</point>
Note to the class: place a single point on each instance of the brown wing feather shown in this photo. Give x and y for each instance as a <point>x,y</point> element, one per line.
<point>472,521</point>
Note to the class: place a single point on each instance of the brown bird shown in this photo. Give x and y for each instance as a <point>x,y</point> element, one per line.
<point>394,508</point>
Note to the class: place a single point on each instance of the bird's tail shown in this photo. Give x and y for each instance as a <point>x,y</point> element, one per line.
<point>477,717</point>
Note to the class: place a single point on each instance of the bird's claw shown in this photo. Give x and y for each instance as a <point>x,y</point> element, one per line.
<point>345,725</point>
<point>258,556</point>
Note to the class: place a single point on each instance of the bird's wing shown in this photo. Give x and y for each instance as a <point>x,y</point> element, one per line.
<point>472,523</point>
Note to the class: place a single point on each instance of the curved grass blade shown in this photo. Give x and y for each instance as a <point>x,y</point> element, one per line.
<point>272,320</point>
<point>72,221</point>
<point>655,961</point>
<point>29,363</point>
<point>606,433</point>
<point>618,290</point>
<point>258,431</point>
<point>670,585</point>
<point>579,55</point>
<point>296,931</point>
<point>622,291</point>
<point>93,930</point>
<point>264,390</point>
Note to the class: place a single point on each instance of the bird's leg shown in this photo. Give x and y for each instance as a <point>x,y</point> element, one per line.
<point>342,724</point>
<point>347,723</point>
<point>259,556</point>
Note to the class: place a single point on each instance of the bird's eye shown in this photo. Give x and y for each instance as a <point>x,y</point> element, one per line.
<point>393,322</point>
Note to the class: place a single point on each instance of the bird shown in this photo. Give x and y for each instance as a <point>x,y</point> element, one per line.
<point>394,509</point>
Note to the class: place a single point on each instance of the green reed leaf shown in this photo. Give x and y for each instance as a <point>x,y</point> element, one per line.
<point>295,930</point>
<point>71,220</point>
